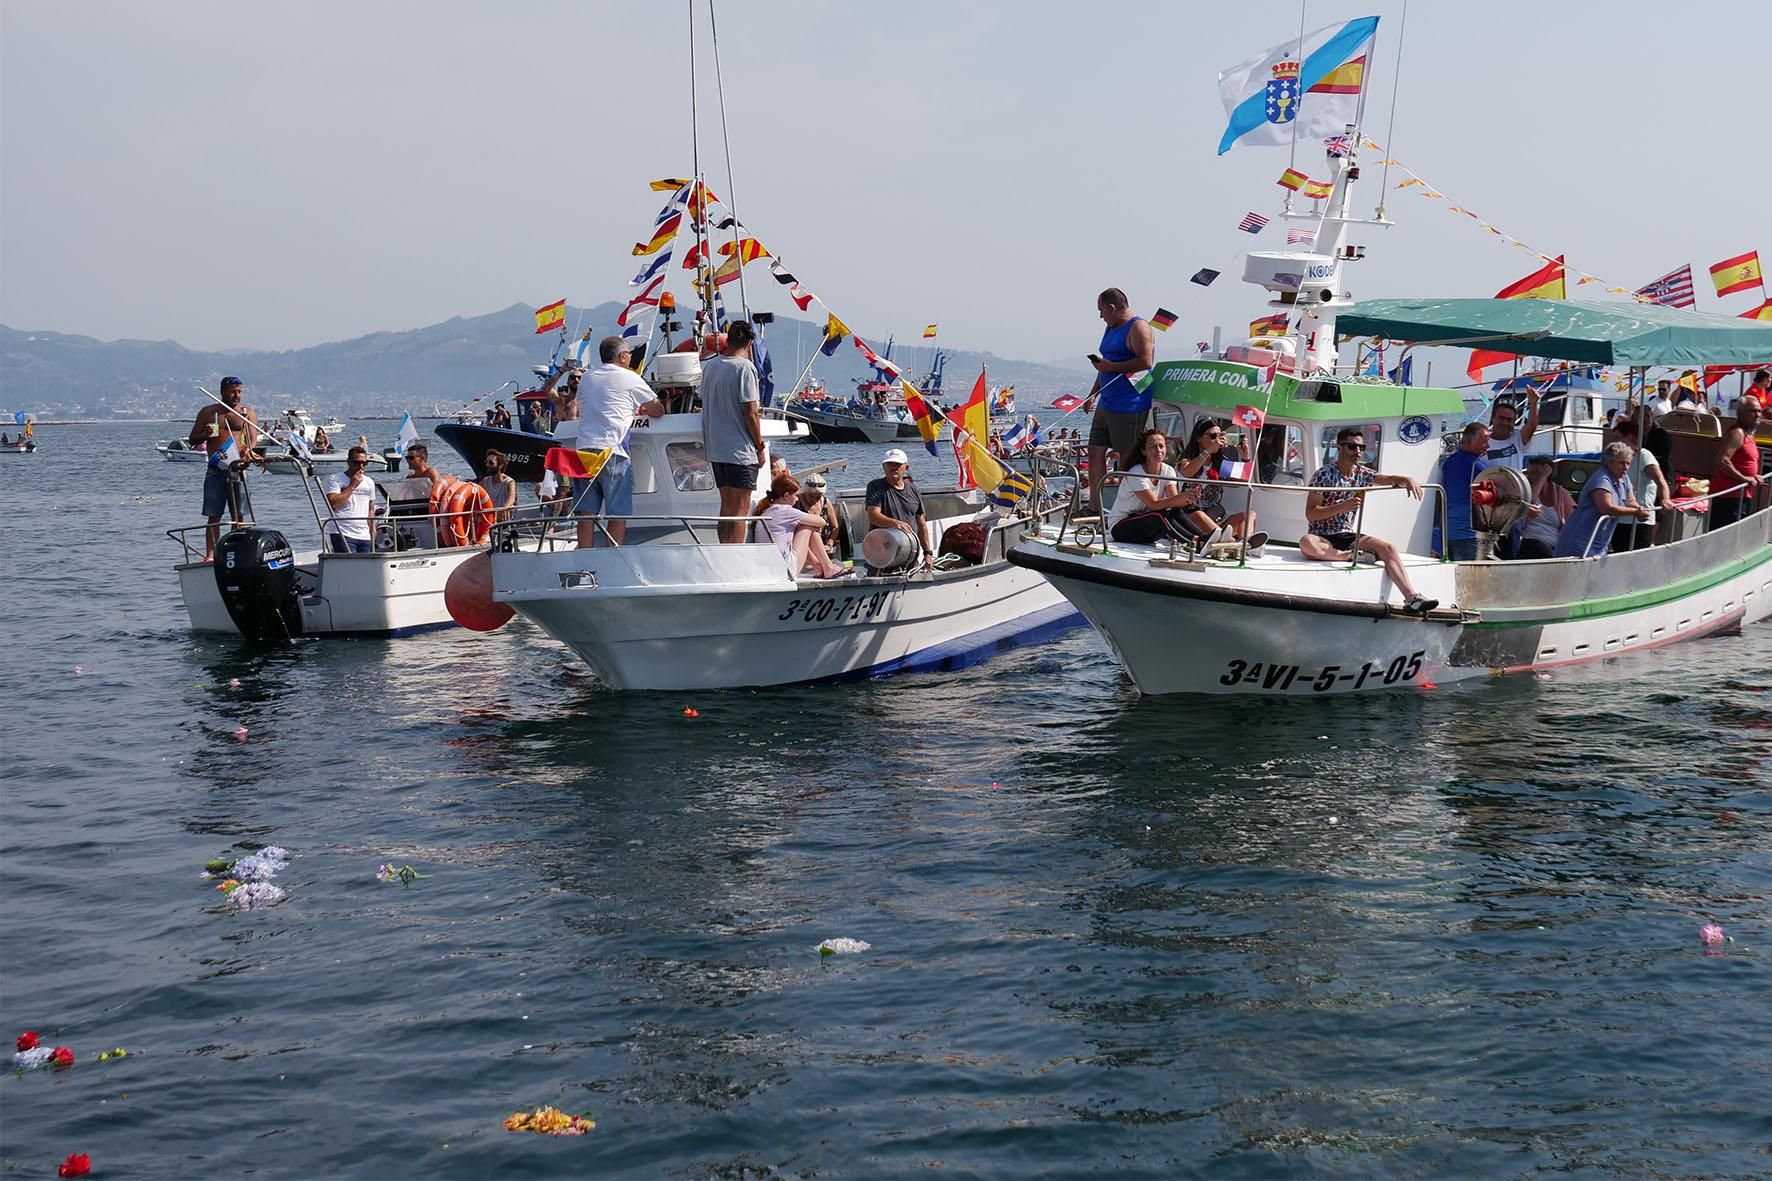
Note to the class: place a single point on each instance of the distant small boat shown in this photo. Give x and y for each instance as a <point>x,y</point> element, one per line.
<point>21,447</point>
<point>179,451</point>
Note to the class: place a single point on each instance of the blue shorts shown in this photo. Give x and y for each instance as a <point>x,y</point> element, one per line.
<point>221,493</point>
<point>735,475</point>
<point>610,491</point>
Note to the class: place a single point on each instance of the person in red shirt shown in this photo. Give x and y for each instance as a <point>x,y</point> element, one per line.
<point>1737,478</point>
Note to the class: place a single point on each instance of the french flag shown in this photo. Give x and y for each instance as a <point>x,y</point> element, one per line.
<point>1233,469</point>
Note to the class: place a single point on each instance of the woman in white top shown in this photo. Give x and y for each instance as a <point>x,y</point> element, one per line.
<point>796,533</point>
<point>1152,503</point>
<point>1647,481</point>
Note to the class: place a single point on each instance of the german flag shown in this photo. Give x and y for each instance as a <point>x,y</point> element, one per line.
<point>579,465</point>
<point>1163,319</point>
<point>551,317</point>
<point>1737,274</point>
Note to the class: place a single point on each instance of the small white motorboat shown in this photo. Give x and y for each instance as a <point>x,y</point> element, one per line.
<point>179,451</point>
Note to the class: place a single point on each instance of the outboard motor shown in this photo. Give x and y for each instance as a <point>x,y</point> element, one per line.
<point>255,573</point>
<point>1499,498</point>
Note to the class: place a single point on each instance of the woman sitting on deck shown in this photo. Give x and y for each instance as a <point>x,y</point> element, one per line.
<point>1208,452</point>
<point>796,533</point>
<point>1152,504</point>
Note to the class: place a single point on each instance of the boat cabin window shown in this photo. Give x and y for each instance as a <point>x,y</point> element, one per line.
<point>1374,437</point>
<point>1317,391</point>
<point>690,470</point>
<point>1171,420</point>
<point>645,465</point>
<point>1281,454</point>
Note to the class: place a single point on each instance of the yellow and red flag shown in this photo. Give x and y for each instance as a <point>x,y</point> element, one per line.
<point>1343,79</point>
<point>1547,282</point>
<point>661,236</point>
<point>928,426</point>
<point>1316,190</point>
<point>1293,179</point>
<point>669,185</point>
<point>1763,312</point>
<point>929,332</point>
<point>1274,325</point>
<point>579,465</point>
<point>747,249</point>
<point>551,317</point>
<point>972,429</point>
<point>1738,273</point>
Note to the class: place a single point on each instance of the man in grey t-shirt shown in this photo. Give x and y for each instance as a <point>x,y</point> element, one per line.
<point>732,427</point>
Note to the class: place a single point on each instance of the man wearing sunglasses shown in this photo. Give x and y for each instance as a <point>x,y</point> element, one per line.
<point>1331,515</point>
<point>351,496</point>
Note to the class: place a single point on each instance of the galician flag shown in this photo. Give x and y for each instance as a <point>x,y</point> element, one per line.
<point>408,434</point>
<point>1309,88</point>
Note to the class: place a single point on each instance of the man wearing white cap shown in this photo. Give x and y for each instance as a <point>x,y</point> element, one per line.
<point>895,503</point>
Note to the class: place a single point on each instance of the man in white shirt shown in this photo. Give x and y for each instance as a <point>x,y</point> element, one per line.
<point>1507,446</point>
<point>351,496</point>
<point>1663,401</point>
<point>608,402</point>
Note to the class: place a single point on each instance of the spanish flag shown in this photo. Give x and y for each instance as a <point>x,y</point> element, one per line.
<point>1737,274</point>
<point>929,332</point>
<point>1316,190</point>
<point>1274,325</point>
<point>972,428</point>
<point>928,426</point>
<point>1547,282</point>
<point>1763,312</point>
<point>1343,79</point>
<point>551,317</point>
<point>579,465</point>
<point>1293,179</point>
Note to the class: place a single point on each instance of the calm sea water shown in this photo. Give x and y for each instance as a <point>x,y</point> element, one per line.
<point>1435,934</point>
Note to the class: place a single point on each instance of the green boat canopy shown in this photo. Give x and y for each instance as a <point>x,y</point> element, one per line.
<point>1616,334</point>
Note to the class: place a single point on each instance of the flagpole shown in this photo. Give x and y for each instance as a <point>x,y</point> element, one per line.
<point>1391,127</point>
<point>1298,97</point>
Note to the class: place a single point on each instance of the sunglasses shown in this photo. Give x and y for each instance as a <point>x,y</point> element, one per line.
<point>1354,446</point>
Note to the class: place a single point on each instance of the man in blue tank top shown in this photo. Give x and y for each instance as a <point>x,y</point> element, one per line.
<point>1128,348</point>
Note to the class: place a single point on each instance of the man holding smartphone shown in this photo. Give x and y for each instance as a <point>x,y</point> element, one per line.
<point>1121,410</point>
<point>351,496</point>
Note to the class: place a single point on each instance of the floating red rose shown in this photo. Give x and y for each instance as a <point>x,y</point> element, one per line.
<point>62,1056</point>
<point>27,1040</point>
<point>78,1164</point>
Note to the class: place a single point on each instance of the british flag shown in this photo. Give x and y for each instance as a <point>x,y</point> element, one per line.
<point>1336,145</point>
<point>1673,289</point>
<point>1252,223</point>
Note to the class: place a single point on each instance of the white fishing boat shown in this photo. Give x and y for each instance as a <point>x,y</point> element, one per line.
<point>1231,622</point>
<point>262,587</point>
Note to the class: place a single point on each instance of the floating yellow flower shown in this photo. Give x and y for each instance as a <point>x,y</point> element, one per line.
<point>548,1121</point>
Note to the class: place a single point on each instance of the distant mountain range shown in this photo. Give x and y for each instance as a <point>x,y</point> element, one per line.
<point>56,375</point>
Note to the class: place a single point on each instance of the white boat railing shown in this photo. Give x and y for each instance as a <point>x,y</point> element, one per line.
<point>329,525</point>
<point>1086,529</point>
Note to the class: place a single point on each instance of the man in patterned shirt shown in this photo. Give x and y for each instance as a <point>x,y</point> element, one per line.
<point>1331,515</point>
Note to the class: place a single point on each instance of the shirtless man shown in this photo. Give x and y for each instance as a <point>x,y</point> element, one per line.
<point>217,426</point>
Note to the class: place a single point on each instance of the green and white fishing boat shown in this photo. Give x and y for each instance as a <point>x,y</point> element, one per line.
<point>1230,621</point>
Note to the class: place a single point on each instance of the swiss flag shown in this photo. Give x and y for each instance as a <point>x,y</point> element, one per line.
<point>1066,402</point>
<point>1248,417</point>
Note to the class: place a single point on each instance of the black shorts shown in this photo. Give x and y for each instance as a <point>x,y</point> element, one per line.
<point>1343,541</point>
<point>735,475</point>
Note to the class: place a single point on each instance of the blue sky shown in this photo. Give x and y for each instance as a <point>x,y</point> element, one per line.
<point>248,175</point>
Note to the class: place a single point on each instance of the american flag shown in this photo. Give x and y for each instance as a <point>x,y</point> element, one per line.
<point>1301,237</point>
<point>1673,289</point>
<point>1336,145</point>
<point>1252,223</point>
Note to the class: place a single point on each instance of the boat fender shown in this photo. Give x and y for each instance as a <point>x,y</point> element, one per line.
<point>468,596</point>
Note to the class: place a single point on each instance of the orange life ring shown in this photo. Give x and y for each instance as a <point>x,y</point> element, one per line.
<point>468,516</point>
<point>442,488</point>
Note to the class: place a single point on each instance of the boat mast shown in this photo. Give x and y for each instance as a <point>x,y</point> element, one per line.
<point>698,209</point>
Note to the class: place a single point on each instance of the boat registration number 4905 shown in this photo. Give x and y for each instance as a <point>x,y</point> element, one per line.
<point>847,609</point>
<point>1284,677</point>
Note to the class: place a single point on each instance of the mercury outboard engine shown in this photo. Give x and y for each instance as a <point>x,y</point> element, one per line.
<point>255,573</point>
<point>1499,497</point>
